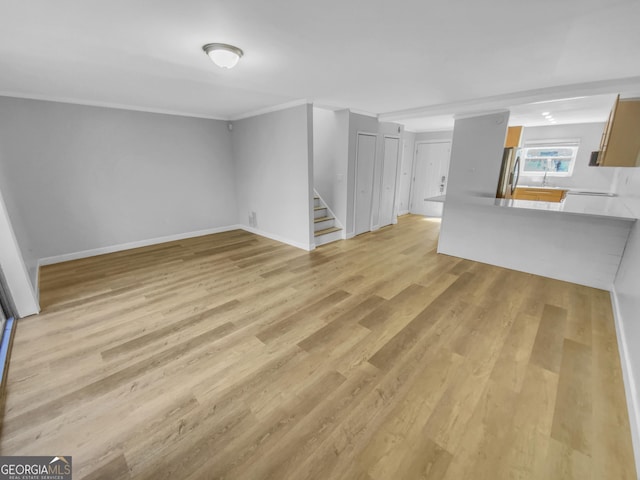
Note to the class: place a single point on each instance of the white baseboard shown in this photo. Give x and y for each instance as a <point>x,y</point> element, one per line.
<point>403,212</point>
<point>155,241</point>
<point>277,238</point>
<point>127,246</point>
<point>630,387</point>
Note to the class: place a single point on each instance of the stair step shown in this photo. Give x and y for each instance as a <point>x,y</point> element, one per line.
<point>326,230</point>
<point>322,219</point>
<point>320,212</point>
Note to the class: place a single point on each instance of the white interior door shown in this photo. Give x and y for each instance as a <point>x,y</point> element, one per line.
<point>365,164</point>
<point>389,180</point>
<point>430,177</point>
<point>406,169</point>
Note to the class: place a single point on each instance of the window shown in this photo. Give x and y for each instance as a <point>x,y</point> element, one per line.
<point>551,159</point>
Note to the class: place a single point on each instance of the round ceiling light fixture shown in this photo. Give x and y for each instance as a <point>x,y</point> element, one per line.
<point>222,54</point>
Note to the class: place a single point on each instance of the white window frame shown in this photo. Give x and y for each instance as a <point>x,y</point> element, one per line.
<point>550,143</point>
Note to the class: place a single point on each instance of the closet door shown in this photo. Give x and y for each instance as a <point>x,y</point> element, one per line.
<point>389,180</point>
<point>404,185</point>
<point>365,164</point>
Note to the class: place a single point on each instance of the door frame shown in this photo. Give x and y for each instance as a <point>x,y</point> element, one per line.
<point>6,303</point>
<point>355,179</point>
<point>415,161</point>
<point>394,216</point>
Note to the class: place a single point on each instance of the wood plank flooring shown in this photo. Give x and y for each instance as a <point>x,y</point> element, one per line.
<point>233,356</point>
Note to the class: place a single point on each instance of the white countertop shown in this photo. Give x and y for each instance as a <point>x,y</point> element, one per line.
<point>546,187</point>
<point>592,205</point>
<point>577,202</point>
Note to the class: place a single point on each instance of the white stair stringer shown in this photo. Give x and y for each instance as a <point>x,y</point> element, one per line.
<point>326,226</point>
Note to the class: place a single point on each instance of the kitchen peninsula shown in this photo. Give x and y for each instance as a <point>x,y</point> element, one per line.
<point>579,240</point>
<point>606,206</point>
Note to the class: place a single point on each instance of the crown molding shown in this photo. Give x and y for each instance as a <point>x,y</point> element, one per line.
<point>274,108</point>
<point>365,113</point>
<point>463,115</point>
<point>117,106</point>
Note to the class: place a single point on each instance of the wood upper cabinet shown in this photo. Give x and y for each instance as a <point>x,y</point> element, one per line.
<point>620,143</point>
<point>555,195</point>
<point>513,137</point>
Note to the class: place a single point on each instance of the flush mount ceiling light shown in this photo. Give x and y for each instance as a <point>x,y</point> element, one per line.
<point>223,55</point>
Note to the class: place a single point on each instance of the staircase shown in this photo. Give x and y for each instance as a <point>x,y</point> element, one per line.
<point>325,226</point>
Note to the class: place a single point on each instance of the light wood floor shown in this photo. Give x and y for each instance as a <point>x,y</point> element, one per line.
<point>232,356</point>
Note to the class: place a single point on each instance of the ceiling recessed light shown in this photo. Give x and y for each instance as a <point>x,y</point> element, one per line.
<point>545,113</point>
<point>557,100</point>
<point>222,54</point>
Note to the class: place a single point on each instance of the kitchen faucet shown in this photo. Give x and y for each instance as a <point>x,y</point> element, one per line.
<point>544,179</point>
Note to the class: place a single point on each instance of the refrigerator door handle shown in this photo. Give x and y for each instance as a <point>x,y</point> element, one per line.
<point>515,176</point>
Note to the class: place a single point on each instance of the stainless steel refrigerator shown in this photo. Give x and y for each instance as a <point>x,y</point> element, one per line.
<point>509,173</point>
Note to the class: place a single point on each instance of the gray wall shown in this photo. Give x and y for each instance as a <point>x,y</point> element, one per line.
<point>79,178</point>
<point>341,190</point>
<point>584,176</point>
<point>18,223</point>
<point>13,268</point>
<point>434,136</point>
<point>476,153</point>
<point>274,171</point>
<point>330,150</point>
<point>324,152</point>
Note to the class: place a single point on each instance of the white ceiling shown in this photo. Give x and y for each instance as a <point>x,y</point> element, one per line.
<point>574,110</point>
<point>583,109</point>
<point>373,56</point>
